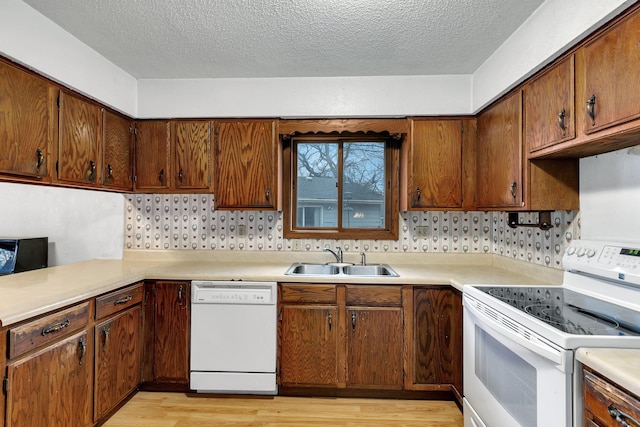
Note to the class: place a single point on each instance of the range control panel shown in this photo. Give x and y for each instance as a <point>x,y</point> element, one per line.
<point>612,260</point>
<point>262,293</point>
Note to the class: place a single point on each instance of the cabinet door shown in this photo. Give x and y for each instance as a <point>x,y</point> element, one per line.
<point>246,165</point>
<point>309,345</point>
<point>79,139</point>
<point>192,154</point>
<point>171,337</point>
<point>549,107</point>
<point>611,82</point>
<point>374,347</point>
<point>437,340</point>
<point>436,164</point>
<point>499,155</point>
<point>26,122</point>
<point>53,386</point>
<point>117,359</point>
<point>153,149</point>
<point>117,161</point>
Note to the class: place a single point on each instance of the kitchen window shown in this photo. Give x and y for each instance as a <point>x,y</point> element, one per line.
<point>341,186</point>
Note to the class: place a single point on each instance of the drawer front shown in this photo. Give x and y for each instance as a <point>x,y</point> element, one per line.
<point>36,333</point>
<point>604,401</point>
<point>388,296</point>
<point>306,293</point>
<point>118,300</point>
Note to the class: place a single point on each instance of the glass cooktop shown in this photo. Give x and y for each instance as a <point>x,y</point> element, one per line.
<point>569,311</point>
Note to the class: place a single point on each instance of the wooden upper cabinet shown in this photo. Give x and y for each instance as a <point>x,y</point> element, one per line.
<point>499,154</point>
<point>27,122</point>
<point>153,151</point>
<point>246,164</point>
<point>192,147</point>
<point>80,125</point>
<point>117,163</point>
<point>609,81</point>
<point>549,113</point>
<point>435,160</point>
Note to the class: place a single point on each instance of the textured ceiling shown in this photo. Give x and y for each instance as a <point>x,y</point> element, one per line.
<point>290,38</point>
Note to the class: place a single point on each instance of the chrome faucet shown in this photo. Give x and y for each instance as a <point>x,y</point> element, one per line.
<point>338,255</point>
<point>363,258</point>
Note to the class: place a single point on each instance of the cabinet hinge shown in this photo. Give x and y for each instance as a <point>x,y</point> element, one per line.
<point>5,385</point>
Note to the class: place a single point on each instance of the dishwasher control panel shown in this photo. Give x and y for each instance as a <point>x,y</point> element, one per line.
<point>210,292</point>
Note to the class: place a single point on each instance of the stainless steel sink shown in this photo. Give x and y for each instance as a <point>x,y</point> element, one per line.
<point>299,269</point>
<point>369,270</point>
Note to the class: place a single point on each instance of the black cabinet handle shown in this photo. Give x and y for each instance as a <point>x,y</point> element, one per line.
<point>161,176</point>
<point>55,328</point>
<point>40,160</point>
<point>561,120</point>
<point>591,109</point>
<point>105,337</point>
<point>123,300</point>
<point>514,185</point>
<point>92,171</point>
<point>267,194</point>
<point>109,172</point>
<point>83,350</point>
<point>180,176</point>
<point>622,417</point>
<point>330,317</point>
<point>180,295</point>
<point>418,193</point>
<point>353,321</point>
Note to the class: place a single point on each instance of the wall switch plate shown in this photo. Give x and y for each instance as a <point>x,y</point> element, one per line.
<point>242,230</point>
<point>297,245</point>
<point>422,231</point>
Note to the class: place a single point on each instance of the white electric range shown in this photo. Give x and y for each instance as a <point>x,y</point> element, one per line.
<point>519,341</point>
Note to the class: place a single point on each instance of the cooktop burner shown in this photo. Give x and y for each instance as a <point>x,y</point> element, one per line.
<point>569,311</point>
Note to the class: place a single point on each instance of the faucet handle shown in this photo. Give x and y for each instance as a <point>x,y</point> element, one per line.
<point>363,258</point>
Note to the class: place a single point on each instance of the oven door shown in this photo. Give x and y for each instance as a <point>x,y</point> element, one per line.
<point>512,376</point>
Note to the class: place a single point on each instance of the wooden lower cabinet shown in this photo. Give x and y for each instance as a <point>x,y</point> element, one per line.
<point>167,317</point>
<point>606,403</point>
<point>52,387</point>
<point>374,347</point>
<point>117,359</point>
<point>437,339</point>
<point>309,345</point>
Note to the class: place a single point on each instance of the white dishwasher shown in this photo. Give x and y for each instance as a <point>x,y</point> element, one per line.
<point>233,337</point>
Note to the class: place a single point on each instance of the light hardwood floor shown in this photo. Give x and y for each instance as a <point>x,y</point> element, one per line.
<point>150,409</point>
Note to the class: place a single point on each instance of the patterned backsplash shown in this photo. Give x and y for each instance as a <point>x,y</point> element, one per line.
<point>189,221</point>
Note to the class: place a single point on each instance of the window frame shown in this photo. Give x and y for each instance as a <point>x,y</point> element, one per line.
<point>392,179</point>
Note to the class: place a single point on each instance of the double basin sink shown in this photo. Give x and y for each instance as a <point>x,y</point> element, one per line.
<point>341,269</point>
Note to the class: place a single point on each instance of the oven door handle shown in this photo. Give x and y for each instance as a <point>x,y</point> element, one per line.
<point>534,345</point>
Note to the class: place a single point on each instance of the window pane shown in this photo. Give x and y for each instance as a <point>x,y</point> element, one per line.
<point>316,189</point>
<point>364,185</point>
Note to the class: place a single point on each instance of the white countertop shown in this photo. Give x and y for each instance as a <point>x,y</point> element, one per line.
<point>32,293</point>
<point>620,365</point>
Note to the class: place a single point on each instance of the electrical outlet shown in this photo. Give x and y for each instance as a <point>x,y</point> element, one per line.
<point>297,245</point>
<point>242,230</point>
<point>422,231</point>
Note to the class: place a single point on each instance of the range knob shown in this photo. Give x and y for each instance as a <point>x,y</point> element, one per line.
<point>571,250</point>
<point>591,253</point>
<point>581,252</point>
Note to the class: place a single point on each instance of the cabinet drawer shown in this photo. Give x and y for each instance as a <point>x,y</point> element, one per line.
<point>374,295</point>
<point>36,333</point>
<point>325,294</point>
<point>118,300</point>
<point>601,395</point>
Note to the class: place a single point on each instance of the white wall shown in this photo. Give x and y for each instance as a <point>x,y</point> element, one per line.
<point>28,37</point>
<point>80,224</point>
<point>305,97</point>
<point>555,26</point>
<point>610,196</point>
